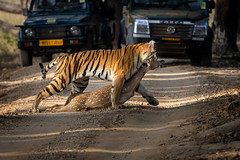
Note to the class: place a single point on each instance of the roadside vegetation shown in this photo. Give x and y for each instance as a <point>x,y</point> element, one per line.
<point>9,57</point>
<point>9,53</point>
<point>13,1</point>
<point>11,18</point>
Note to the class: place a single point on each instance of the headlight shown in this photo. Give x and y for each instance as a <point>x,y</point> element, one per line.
<point>141,28</point>
<point>74,30</point>
<point>200,28</point>
<point>29,32</point>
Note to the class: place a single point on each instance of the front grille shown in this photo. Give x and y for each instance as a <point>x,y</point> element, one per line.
<point>51,32</point>
<point>158,30</point>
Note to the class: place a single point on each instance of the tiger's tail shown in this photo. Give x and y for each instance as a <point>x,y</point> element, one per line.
<point>50,65</point>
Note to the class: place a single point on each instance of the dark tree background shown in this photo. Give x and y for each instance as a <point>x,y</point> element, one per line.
<point>117,5</point>
<point>226,27</point>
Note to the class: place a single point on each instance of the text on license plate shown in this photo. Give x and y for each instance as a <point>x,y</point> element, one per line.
<point>52,42</point>
<point>170,39</point>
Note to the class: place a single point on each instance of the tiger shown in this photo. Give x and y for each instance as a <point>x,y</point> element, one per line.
<point>101,98</point>
<point>113,65</point>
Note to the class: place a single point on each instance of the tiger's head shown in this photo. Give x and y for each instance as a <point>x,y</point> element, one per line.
<point>147,52</point>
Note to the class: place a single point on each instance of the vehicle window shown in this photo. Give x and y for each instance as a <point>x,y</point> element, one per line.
<point>173,4</point>
<point>53,5</point>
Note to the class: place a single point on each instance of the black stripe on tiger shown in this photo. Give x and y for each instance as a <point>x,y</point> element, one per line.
<point>54,80</point>
<point>86,68</point>
<point>49,92</point>
<point>61,65</point>
<point>76,66</point>
<point>95,55</point>
<point>79,65</point>
<point>69,74</point>
<point>106,76</point>
<point>105,62</point>
<point>138,59</point>
<point>63,84</point>
<point>95,70</point>
<point>112,55</point>
<point>54,87</point>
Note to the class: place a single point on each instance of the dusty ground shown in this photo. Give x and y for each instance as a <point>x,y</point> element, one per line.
<point>197,118</point>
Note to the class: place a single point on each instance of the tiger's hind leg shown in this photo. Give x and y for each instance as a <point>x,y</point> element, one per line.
<point>56,85</point>
<point>78,86</point>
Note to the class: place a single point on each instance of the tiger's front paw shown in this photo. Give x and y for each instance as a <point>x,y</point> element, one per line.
<point>153,101</point>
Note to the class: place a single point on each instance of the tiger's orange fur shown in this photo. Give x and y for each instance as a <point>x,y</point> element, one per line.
<point>115,65</point>
<point>101,98</point>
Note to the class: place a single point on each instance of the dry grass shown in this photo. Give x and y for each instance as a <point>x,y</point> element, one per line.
<point>14,19</point>
<point>13,1</point>
<point>9,53</point>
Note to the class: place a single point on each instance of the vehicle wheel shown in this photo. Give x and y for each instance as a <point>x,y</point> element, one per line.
<point>202,57</point>
<point>46,58</point>
<point>193,56</point>
<point>206,59</point>
<point>206,56</point>
<point>195,61</point>
<point>25,58</point>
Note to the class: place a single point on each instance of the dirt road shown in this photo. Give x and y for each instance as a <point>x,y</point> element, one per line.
<point>197,118</point>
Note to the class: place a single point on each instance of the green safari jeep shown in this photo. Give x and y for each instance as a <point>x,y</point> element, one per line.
<point>54,26</point>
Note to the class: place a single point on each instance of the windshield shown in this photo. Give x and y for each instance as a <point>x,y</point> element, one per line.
<point>41,6</point>
<point>172,4</point>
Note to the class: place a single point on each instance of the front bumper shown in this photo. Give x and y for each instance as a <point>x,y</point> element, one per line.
<point>69,45</point>
<point>173,47</point>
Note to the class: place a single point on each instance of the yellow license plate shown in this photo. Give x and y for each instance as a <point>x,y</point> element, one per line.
<point>170,39</point>
<point>52,42</point>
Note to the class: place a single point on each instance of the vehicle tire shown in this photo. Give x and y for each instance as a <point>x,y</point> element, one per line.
<point>46,58</point>
<point>201,58</point>
<point>206,58</point>
<point>26,57</point>
<point>195,59</point>
<point>193,56</point>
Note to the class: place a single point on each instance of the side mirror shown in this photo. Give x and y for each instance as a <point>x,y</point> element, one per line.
<point>125,2</point>
<point>25,11</point>
<point>211,4</point>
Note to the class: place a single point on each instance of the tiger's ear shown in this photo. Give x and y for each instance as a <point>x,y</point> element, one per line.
<point>151,46</point>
